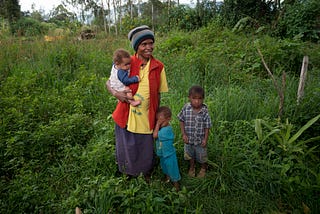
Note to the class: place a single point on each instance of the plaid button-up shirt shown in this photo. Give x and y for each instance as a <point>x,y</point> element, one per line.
<point>195,122</point>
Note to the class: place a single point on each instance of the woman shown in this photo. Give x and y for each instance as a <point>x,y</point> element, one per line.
<point>134,125</point>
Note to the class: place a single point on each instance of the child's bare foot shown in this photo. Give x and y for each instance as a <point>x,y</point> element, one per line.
<point>202,173</point>
<point>177,186</point>
<point>192,172</point>
<point>166,179</point>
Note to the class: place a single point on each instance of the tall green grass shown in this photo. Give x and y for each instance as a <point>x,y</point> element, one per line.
<point>57,135</point>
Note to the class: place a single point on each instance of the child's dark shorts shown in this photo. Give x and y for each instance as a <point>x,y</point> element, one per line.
<point>196,152</point>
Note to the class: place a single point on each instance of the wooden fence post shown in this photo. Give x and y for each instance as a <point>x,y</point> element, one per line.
<point>78,210</point>
<point>303,76</point>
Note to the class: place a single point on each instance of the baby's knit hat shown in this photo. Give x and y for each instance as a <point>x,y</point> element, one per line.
<point>139,34</point>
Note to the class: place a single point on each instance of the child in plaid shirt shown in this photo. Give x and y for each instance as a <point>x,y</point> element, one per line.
<point>195,123</point>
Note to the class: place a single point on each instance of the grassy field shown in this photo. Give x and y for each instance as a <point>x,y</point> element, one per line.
<point>57,139</point>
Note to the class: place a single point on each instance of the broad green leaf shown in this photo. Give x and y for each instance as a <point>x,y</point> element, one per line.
<point>305,127</point>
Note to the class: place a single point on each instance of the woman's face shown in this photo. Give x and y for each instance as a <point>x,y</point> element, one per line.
<point>145,49</point>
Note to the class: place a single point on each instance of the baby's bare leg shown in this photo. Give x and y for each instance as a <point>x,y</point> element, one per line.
<point>129,94</point>
<point>131,99</point>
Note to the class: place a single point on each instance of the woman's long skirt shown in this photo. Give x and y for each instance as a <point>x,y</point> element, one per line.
<point>134,152</point>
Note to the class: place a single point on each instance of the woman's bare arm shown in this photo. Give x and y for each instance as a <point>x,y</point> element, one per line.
<point>120,95</point>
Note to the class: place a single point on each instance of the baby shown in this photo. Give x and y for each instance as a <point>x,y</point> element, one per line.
<point>119,77</point>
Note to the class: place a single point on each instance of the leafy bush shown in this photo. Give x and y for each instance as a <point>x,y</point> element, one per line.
<point>291,155</point>
<point>29,27</point>
<point>233,11</point>
<point>303,24</point>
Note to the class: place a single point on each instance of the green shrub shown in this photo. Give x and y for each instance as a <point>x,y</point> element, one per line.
<point>303,24</point>
<point>29,27</point>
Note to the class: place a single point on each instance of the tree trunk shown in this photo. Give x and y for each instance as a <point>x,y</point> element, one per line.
<point>104,18</point>
<point>115,16</point>
<point>109,16</point>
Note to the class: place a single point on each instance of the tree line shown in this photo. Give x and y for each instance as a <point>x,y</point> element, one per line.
<point>299,19</point>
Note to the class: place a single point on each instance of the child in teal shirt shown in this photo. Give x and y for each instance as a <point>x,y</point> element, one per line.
<point>163,133</point>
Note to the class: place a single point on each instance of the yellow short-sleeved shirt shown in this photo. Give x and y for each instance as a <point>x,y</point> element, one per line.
<point>138,121</point>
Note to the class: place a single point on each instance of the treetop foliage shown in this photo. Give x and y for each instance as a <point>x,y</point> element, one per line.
<point>284,19</point>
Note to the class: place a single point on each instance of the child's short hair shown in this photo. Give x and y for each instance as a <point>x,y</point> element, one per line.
<point>119,54</point>
<point>165,110</point>
<point>196,90</point>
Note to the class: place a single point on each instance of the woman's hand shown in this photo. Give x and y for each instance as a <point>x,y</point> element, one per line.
<point>120,95</point>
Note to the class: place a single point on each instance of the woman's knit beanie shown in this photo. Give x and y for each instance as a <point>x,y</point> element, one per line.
<point>139,34</point>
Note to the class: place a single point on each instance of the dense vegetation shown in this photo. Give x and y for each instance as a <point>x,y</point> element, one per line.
<point>57,135</point>
<point>297,19</point>
<point>57,141</point>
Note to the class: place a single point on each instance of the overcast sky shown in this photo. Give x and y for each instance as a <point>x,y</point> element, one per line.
<point>49,5</point>
<point>39,4</point>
